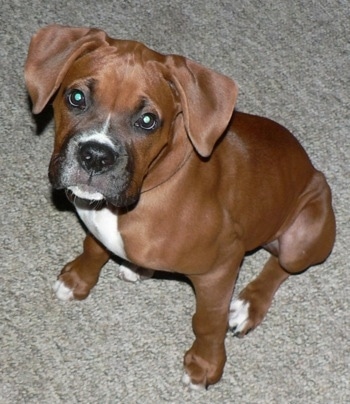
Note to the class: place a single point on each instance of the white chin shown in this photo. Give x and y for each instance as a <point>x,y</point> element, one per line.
<point>84,194</point>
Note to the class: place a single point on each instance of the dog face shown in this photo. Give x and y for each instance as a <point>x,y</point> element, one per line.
<point>119,108</point>
<point>113,121</point>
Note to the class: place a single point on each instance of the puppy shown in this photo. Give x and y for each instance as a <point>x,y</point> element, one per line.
<point>168,176</point>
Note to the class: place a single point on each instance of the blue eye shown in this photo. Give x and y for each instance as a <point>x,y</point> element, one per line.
<point>76,99</point>
<point>147,122</point>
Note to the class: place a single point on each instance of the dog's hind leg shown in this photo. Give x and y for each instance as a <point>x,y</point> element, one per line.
<point>307,241</point>
<point>247,312</point>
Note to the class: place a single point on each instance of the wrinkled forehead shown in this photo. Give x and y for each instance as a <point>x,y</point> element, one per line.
<point>122,74</point>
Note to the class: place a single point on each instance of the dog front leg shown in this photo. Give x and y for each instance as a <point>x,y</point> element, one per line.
<point>204,362</point>
<point>78,277</point>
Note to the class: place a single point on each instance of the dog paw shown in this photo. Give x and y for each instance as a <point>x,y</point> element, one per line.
<point>132,273</point>
<point>70,286</point>
<point>186,380</point>
<point>239,317</point>
<point>62,291</point>
<point>203,365</point>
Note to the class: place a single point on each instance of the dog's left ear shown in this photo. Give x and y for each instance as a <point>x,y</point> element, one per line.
<point>208,100</point>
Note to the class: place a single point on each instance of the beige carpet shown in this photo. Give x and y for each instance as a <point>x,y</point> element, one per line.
<point>125,343</point>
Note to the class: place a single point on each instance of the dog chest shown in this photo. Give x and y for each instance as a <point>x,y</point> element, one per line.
<point>103,224</point>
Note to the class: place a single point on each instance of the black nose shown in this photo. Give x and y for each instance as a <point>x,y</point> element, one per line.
<point>96,158</point>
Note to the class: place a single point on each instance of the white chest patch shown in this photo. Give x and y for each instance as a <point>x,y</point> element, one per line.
<point>103,224</point>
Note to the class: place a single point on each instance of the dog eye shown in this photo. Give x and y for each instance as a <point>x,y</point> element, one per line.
<point>76,99</point>
<point>147,122</point>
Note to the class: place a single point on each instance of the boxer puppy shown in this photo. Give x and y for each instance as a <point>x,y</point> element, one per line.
<point>168,176</point>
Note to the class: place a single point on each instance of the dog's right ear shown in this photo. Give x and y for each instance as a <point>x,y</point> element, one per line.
<point>52,50</point>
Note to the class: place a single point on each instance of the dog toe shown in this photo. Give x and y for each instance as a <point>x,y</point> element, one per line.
<point>186,380</point>
<point>62,291</point>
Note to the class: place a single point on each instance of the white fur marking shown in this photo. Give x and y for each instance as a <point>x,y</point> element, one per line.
<point>91,196</point>
<point>132,273</point>
<point>239,315</point>
<point>186,380</point>
<point>103,224</point>
<point>98,136</point>
<point>62,292</point>
<point>128,272</point>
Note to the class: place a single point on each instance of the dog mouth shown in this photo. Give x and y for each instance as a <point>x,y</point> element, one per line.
<point>84,192</point>
<point>85,195</point>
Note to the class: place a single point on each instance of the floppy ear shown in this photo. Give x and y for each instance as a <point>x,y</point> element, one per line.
<point>52,50</point>
<point>208,100</point>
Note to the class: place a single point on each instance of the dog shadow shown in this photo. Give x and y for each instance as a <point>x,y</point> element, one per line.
<point>41,120</point>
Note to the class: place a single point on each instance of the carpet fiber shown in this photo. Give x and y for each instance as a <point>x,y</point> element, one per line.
<point>125,343</point>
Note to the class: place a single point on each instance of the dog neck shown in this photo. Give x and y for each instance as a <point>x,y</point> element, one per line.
<point>170,175</point>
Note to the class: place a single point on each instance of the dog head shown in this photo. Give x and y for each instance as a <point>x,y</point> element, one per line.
<point>119,107</point>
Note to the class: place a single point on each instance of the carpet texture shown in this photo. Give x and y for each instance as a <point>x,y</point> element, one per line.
<point>125,343</point>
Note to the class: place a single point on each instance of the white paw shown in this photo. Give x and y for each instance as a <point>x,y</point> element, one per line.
<point>128,272</point>
<point>186,380</point>
<point>132,273</point>
<point>239,315</point>
<point>62,292</point>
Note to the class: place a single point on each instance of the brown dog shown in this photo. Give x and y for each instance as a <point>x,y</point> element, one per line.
<point>183,183</point>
